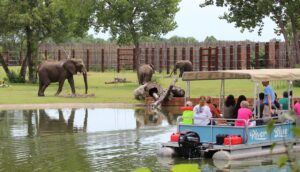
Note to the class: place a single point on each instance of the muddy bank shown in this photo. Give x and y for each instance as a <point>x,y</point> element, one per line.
<point>68,105</point>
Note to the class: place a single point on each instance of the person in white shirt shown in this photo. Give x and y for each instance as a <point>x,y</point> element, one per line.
<point>202,113</point>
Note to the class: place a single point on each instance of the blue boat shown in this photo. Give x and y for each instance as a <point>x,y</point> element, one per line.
<point>204,141</point>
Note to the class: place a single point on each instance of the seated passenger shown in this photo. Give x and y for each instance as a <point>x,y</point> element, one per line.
<point>214,111</point>
<point>202,113</point>
<point>187,115</point>
<point>238,105</point>
<point>297,108</point>
<point>229,106</point>
<point>284,102</point>
<point>244,113</point>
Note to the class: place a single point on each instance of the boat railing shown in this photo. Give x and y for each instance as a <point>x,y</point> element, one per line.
<point>227,126</point>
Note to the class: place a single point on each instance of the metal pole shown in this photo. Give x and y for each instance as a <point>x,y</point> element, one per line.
<point>222,96</point>
<point>290,100</point>
<point>256,90</point>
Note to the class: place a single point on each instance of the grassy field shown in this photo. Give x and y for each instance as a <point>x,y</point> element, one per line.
<point>121,92</point>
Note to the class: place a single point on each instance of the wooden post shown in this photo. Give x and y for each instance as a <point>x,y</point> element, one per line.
<point>192,55</point>
<point>146,56</point>
<point>257,60</point>
<point>209,59</point>
<point>224,58</point>
<point>88,60</point>
<point>248,53</point>
<point>152,57</point>
<point>239,57</point>
<point>231,57</point>
<point>102,60</point>
<point>160,60</point>
<point>118,60</point>
<point>200,59</point>
<point>216,58</point>
<point>183,53</point>
<point>276,54</point>
<point>175,56</point>
<point>46,54</point>
<point>134,60</point>
<point>267,55</point>
<point>168,60</point>
<point>73,53</point>
<point>59,55</point>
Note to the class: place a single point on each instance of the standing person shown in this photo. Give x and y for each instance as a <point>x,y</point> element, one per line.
<point>269,98</point>
<point>244,114</point>
<point>284,101</point>
<point>202,113</point>
<point>229,106</point>
<point>238,105</point>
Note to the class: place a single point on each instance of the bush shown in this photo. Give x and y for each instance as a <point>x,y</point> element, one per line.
<point>14,77</point>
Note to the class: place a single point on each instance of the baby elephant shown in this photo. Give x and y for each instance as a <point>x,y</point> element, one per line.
<point>59,71</point>
<point>183,66</point>
<point>144,73</point>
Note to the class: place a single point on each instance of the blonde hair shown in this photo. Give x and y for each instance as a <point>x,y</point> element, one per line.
<point>202,100</point>
<point>244,104</point>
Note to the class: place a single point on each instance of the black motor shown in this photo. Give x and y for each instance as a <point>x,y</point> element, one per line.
<point>189,142</point>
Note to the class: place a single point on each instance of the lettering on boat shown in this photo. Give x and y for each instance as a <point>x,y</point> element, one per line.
<point>258,135</point>
<point>280,132</point>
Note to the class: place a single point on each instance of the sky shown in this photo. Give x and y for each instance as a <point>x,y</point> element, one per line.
<point>193,21</point>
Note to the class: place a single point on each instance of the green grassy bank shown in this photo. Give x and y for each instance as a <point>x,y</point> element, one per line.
<point>121,92</point>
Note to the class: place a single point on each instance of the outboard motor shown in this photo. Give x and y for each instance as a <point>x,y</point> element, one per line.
<point>189,143</point>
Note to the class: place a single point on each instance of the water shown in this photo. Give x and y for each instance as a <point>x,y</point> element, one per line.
<point>98,140</point>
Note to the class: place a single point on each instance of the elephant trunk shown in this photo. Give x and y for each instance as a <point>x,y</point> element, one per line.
<point>84,73</point>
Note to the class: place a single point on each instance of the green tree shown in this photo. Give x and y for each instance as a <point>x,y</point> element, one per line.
<point>210,39</point>
<point>177,39</point>
<point>36,20</point>
<point>130,20</point>
<point>250,14</point>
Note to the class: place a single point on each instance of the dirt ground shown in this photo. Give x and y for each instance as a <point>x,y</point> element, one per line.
<point>67,105</point>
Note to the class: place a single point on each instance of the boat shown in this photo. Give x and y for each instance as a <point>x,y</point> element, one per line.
<point>226,141</point>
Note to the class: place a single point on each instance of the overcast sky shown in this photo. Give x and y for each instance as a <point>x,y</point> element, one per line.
<point>199,23</point>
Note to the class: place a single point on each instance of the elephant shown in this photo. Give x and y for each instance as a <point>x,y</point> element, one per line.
<point>59,71</point>
<point>183,66</point>
<point>144,73</point>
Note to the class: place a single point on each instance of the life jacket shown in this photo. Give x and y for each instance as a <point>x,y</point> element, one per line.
<point>187,115</point>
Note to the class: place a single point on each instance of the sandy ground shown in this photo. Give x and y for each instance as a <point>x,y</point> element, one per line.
<point>68,105</point>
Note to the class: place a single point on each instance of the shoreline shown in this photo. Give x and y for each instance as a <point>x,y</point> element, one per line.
<point>68,105</point>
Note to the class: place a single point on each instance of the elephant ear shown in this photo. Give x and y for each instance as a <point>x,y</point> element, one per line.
<point>70,66</point>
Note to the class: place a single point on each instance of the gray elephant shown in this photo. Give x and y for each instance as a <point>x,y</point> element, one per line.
<point>144,73</point>
<point>59,71</point>
<point>183,66</point>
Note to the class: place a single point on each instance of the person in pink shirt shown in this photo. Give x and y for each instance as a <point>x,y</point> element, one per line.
<point>244,113</point>
<point>297,108</point>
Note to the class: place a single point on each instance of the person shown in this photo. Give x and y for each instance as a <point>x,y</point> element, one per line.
<point>297,108</point>
<point>187,114</point>
<point>238,105</point>
<point>214,111</point>
<point>276,103</point>
<point>244,114</point>
<point>229,106</point>
<point>269,98</point>
<point>260,104</point>
<point>284,101</point>
<point>202,113</point>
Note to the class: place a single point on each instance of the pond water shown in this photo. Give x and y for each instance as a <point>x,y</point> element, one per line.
<point>106,139</point>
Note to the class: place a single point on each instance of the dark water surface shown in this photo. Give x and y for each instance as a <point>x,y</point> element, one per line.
<point>98,140</point>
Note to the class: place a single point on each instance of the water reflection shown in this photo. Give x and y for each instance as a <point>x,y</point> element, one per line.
<point>107,139</point>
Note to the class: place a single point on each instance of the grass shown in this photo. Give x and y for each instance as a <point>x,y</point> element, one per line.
<point>122,92</point>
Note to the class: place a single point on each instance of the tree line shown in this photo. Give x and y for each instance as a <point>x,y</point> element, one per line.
<point>25,24</point>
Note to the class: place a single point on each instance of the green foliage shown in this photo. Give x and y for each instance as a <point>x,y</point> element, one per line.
<point>129,21</point>
<point>270,126</point>
<point>210,39</point>
<point>14,77</point>
<point>177,39</point>
<point>186,168</point>
<point>282,160</point>
<point>142,170</point>
<point>296,131</point>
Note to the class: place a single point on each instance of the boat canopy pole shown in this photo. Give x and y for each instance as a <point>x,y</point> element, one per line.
<point>255,96</point>
<point>187,94</point>
<point>221,98</point>
<point>290,100</point>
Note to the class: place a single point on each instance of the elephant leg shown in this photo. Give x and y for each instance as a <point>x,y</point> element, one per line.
<point>60,85</point>
<point>181,72</point>
<point>43,88</point>
<point>71,82</point>
<point>40,93</point>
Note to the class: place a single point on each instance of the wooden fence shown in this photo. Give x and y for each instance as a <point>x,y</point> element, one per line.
<point>221,56</point>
